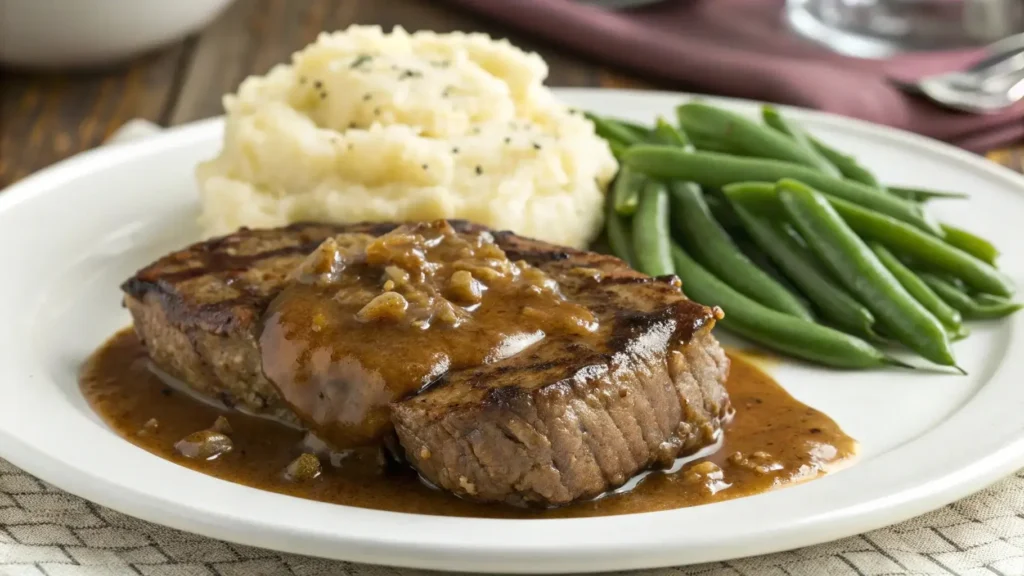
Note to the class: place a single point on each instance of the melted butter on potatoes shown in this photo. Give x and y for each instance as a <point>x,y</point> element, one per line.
<point>367,125</point>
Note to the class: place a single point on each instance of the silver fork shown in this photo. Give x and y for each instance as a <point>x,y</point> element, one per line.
<point>992,85</point>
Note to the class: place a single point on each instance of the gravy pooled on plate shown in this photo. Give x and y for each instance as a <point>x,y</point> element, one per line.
<point>772,442</point>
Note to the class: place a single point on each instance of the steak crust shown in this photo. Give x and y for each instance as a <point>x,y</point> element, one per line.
<point>557,422</point>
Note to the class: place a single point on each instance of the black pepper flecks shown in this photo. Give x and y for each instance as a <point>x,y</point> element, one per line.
<point>351,124</point>
<point>303,79</point>
<point>323,95</point>
<point>536,146</point>
<point>479,170</point>
<point>425,166</point>
<point>455,150</point>
<point>376,111</point>
<point>406,74</point>
<point>318,84</point>
<point>367,97</point>
<point>447,91</point>
<point>508,140</point>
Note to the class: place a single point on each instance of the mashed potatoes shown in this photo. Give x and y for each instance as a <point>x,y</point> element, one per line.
<point>364,125</point>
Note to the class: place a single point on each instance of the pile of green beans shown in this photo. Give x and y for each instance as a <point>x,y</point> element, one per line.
<point>807,252</point>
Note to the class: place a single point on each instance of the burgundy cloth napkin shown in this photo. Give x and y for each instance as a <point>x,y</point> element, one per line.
<point>743,48</point>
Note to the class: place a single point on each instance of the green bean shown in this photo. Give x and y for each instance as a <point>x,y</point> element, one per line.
<point>651,236</point>
<point>619,233</point>
<point>922,195</point>
<point>759,198</point>
<point>950,279</point>
<point>611,130</point>
<point>989,298</point>
<point>639,130</point>
<point>706,143</point>
<point>618,149</point>
<point>924,249</point>
<point>626,190</point>
<point>668,135</point>
<point>798,264</point>
<point>772,329</point>
<point>971,309</point>
<point>847,165</point>
<point>857,268</point>
<point>974,245</point>
<point>919,289</point>
<point>760,259</point>
<point>723,212</point>
<point>700,232</point>
<point>751,137</point>
<point>719,170</point>
<point>775,120</point>
<point>959,334</point>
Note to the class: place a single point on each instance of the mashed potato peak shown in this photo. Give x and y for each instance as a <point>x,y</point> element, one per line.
<point>364,125</point>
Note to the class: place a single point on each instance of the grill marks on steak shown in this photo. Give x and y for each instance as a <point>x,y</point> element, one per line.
<point>559,421</point>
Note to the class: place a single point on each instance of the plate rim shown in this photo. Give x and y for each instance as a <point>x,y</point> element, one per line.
<point>1000,460</point>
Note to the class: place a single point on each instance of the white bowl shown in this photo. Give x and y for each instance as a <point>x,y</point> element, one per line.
<point>76,33</point>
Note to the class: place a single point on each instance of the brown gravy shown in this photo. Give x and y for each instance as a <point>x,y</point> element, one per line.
<point>357,295</point>
<point>773,441</point>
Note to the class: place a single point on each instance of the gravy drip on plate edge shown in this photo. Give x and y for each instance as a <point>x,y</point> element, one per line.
<point>772,441</point>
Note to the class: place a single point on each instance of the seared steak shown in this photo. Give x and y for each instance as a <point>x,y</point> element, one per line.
<point>562,420</point>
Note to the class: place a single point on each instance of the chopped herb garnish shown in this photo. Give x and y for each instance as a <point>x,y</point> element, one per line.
<point>360,60</point>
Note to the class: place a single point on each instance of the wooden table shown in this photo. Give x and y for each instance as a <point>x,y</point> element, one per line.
<point>45,117</point>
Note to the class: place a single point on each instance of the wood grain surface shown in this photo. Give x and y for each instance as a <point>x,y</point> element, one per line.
<point>48,116</point>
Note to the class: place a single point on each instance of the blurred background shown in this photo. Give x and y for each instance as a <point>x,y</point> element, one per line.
<point>71,73</point>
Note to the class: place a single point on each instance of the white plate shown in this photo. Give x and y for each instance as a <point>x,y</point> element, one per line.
<point>72,233</point>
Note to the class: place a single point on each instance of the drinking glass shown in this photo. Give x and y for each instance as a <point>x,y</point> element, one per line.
<point>881,28</point>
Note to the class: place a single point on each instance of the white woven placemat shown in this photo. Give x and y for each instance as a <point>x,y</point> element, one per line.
<point>44,531</point>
